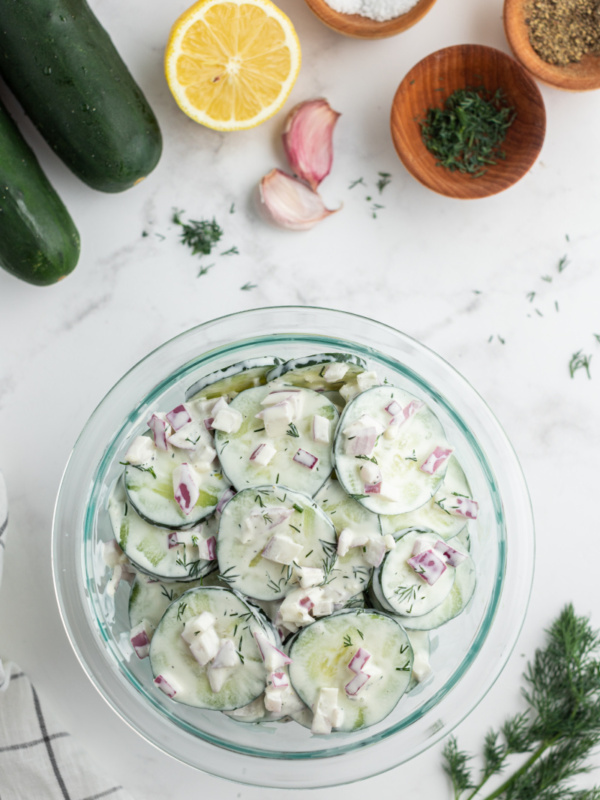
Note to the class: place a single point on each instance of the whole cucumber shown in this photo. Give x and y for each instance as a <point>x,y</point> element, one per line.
<point>39,242</point>
<point>65,71</point>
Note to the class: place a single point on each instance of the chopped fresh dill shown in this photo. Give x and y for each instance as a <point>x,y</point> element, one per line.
<point>563,263</point>
<point>356,182</point>
<point>203,270</point>
<point>531,296</point>
<point>169,594</point>
<point>298,508</point>
<point>367,458</point>
<point>547,278</point>
<point>406,593</point>
<point>232,208</point>
<point>347,640</point>
<point>247,287</point>
<point>200,235</point>
<point>412,457</point>
<point>579,361</point>
<point>140,467</point>
<point>292,430</point>
<point>385,179</point>
<point>360,633</point>
<point>233,251</point>
<point>181,610</point>
<point>596,336</point>
<point>294,527</point>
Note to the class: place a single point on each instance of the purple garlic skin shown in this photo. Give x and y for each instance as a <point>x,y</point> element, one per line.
<point>290,203</point>
<point>308,140</point>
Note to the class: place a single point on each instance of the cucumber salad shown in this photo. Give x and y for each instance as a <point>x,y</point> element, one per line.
<point>291,533</point>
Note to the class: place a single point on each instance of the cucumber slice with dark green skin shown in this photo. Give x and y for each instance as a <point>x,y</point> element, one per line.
<point>308,371</point>
<point>321,653</point>
<point>152,496</point>
<point>147,545</point>
<point>235,449</point>
<point>66,73</point>
<point>400,459</point>
<point>150,598</point>
<point>39,242</point>
<point>240,558</point>
<point>434,514</point>
<point>170,655</point>
<point>233,379</point>
<point>351,574</point>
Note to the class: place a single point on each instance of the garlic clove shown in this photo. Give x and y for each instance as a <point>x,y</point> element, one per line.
<point>290,203</point>
<point>308,140</point>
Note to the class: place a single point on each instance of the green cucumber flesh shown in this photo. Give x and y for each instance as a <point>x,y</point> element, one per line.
<point>233,379</point>
<point>308,371</point>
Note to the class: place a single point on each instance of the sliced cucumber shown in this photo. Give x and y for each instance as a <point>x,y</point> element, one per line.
<point>249,522</point>
<point>434,514</point>
<point>309,371</point>
<point>170,655</point>
<point>151,492</point>
<point>235,449</point>
<point>421,670</point>
<point>234,379</point>
<point>321,653</point>
<point>151,549</point>
<point>403,590</point>
<point>462,591</point>
<point>351,573</point>
<point>150,598</point>
<point>399,458</point>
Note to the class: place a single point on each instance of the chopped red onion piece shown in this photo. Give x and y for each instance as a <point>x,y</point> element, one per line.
<point>257,451</point>
<point>394,408</point>
<point>362,443</point>
<point>428,565</point>
<point>211,546</point>
<point>172,539</point>
<point>435,460</point>
<point>208,423</point>
<point>279,680</point>
<point>373,488</point>
<point>306,603</point>
<point>158,427</point>
<point>185,488</point>
<point>178,417</point>
<point>356,684</point>
<point>452,556</point>
<point>140,641</point>
<point>165,686</point>
<point>305,459</point>
<point>464,507</point>
<point>359,659</point>
<point>225,497</point>
<point>271,655</point>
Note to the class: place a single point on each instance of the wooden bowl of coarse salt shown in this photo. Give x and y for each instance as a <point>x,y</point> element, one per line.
<point>562,30</point>
<point>370,19</point>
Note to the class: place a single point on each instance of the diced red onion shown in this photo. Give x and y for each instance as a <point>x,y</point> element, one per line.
<point>267,649</point>
<point>305,459</point>
<point>306,603</point>
<point>279,680</point>
<point>225,498</point>
<point>452,556</point>
<point>185,488</point>
<point>363,443</point>
<point>356,684</point>
<point>165,686</point>
<point>257,451</point>
<point>464,507</point>
<point>140,641</point>
<point>208,423</point>
<point>211,546</point>
<point>178,417</point>
<point>158,427</point>
<point>359,659</point>
<point>373,488</point>
<point>428,565</point>
<point>394,408</point>
<point>172,539</point>
<point>435,460</point>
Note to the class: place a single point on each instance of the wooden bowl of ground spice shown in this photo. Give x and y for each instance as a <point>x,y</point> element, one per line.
<point>557,41</point>
<point>468,121</point>
<point>370,19</point>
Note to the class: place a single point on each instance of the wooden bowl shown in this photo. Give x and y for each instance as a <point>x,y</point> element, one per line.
<point>434,79</point>
<point>577,77</point>
<point>364,28</point>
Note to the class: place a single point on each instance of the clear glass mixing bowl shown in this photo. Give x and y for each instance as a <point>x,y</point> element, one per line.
<point>468,653</point>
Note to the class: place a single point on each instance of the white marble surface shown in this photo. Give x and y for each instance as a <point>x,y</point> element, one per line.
<point>452,274</point>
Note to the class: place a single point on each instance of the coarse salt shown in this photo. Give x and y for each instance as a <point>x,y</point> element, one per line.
<point>379,10</point>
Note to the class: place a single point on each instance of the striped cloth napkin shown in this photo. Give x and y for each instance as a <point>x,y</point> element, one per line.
<point>38,759</point>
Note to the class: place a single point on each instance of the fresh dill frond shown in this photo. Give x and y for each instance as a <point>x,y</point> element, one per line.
<point>579,361</point>
<point>200,235</point>
<point>456,767</point>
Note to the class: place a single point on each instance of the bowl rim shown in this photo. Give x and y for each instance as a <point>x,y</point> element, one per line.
<point>413,165</point>
<point>511,611</point>
<point>358,27</point>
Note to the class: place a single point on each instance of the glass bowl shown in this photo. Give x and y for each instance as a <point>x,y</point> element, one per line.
<point>468,653</point>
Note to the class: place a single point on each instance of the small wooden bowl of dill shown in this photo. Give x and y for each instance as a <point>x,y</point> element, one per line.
<point>577,67</point>
<point>362,27</point>
<point>468,121</point>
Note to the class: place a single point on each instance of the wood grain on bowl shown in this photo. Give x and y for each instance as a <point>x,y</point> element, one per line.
<point>434,79</point>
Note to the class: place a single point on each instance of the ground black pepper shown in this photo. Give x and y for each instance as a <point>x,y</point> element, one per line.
<point>563,31</point>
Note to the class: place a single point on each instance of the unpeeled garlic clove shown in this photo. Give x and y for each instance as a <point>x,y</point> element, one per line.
<point>308,140</point>
<point>290,203</point>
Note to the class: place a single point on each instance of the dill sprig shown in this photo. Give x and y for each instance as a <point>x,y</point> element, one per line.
<point>579,361</point>
<point>200,235</point>
<point>559,729</point>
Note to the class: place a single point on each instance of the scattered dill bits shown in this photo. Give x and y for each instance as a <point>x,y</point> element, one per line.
<point>579,361</point>
<point>596,336</point>
<point>200,235</point>
<point>467,133</point>
<point>247,287</point>
<point>385,179</point>
<point>556,733</point>
<point>547,278</point>
<point>203,270</point>
<point>563,263</point>
<point>357,182</point>
<point>531,296</point>
<point>233,251</point>
<point>232,208</point>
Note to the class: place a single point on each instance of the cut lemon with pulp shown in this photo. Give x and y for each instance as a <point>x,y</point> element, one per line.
<point>231,64</point>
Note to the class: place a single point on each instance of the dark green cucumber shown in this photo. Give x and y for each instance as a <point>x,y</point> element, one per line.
<point>65,71</point>
<point>39,242</point>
